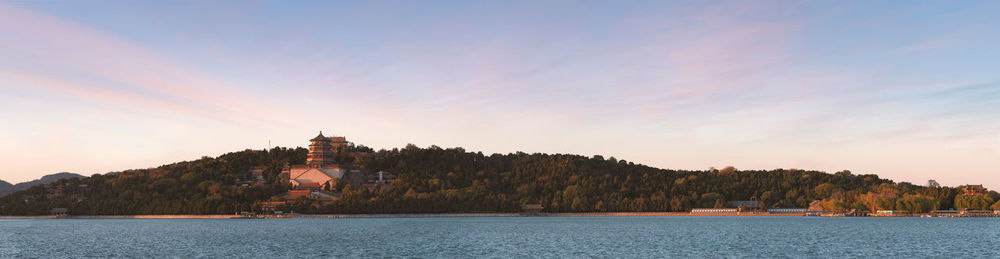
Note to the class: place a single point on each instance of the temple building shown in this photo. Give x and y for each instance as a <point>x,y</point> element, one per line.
<point>330,164</point>
<point>321,152</point>
<point>321,170</point>
<point>337,143</point>
<point>973,190</point>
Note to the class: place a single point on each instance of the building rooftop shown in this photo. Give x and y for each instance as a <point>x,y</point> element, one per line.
<point>532,206</point>
<point>320,137</point>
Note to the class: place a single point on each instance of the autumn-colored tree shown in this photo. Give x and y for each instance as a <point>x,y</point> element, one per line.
<point>973,202</point>
<point>437,180</point>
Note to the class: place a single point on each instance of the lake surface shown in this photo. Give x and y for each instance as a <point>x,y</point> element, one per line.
<point>514,237</point>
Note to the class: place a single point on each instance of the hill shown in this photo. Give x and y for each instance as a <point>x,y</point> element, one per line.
<point>7,188</point>
<point>436,180</point>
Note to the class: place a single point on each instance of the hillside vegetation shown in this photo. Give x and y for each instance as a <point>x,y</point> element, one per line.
<point>436,180</point>
<point>203,186</point>
<point>6,188</point>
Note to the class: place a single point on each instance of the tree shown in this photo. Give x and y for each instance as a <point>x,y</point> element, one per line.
<point>917,203</point>
<point>973,202</point>
<point>834,205</point>
<point>711,200</point>
<point>438,180</point>
<point>825,189</point>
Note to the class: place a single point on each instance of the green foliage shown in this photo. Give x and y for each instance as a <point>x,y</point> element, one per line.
<point>973,202</point>
<point>832,204</point>
<point>916,203</point>
<point>203,186</point>
<point>712,200</point>
<point>437,180</point>
<point>452,180</point>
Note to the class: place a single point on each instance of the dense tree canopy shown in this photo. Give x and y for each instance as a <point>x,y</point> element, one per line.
<point>973,202</point>
<point>203,186</point>
<point>434,180</point>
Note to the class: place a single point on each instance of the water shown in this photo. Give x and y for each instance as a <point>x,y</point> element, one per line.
<point>519,237</point>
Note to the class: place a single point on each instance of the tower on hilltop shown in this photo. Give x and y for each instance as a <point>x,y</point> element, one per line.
<point>320,152</point>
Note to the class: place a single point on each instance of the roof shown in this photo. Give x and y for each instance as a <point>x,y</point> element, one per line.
<point>978,187</point>
<point>309,185</point>
<point>324,195</point>
<point>331,171</point>
<point>292,194</point>
<point>320,137</point>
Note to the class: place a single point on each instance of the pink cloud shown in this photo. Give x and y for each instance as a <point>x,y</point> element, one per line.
<point>71,47</point>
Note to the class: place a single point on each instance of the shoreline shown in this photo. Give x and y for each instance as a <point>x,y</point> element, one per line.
<point>437,215</point>
<point>126,217</point>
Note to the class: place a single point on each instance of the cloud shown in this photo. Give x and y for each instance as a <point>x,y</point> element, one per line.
<point>678,84</point>
<point>55,56</point>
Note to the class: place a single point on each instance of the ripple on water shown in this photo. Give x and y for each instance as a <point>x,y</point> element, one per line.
<point>520,237</point>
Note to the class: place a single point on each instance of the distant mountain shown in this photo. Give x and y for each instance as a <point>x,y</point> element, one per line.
<point>7,188</point>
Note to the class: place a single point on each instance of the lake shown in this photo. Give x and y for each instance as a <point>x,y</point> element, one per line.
<point>505,237</point>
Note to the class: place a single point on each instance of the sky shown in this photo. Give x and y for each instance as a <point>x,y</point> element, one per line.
<point>908,90</point>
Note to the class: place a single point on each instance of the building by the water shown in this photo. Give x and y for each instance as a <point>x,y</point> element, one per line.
<point>714,211</point>
<point>795,211</point>
<point>890,213</point>
<point>748,206</point>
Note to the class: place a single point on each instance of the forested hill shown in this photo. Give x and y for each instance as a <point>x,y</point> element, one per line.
<point>204,186</point>
<point>436,180</point>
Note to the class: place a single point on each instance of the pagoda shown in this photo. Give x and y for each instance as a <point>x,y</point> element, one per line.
<point>321,152</point>
<point>321,169</point>
<point>321,175</point>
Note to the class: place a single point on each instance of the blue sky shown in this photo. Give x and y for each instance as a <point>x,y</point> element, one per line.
<point>907,90</point>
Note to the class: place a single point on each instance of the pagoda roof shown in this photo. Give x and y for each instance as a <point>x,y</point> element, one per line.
<point>320,137</point>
